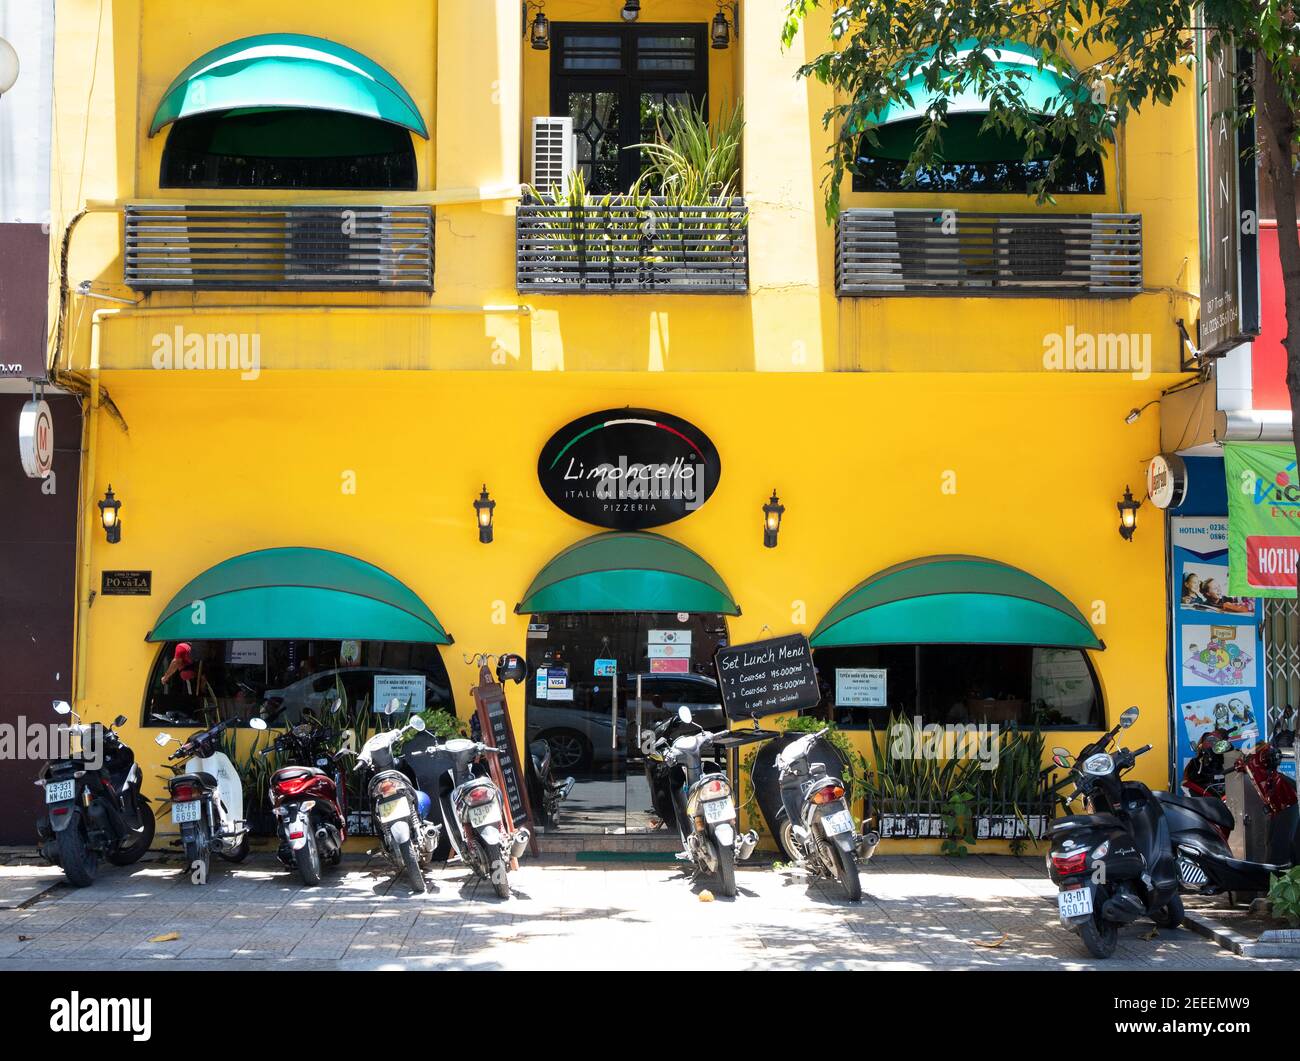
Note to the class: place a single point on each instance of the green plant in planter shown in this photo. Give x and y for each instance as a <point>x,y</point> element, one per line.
<point>957,825</point>
<point>1284,896</point>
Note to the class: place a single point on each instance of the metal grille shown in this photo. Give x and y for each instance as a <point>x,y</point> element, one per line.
<point>946,252</point>
<point>281,248</point>
<point>632,247</point>
<point>1281,656</point>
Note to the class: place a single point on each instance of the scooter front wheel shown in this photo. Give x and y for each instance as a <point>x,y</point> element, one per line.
<point>239,852</point>
<point>1100,937</point>
<point>125,856</point>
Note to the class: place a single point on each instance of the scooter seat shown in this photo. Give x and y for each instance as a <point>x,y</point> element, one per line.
<point>1085,821</point>
<point>291,773</point>
<point>1215,810</point>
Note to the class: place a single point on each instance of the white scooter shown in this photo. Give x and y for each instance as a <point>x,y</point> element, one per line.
<point>207,797</point>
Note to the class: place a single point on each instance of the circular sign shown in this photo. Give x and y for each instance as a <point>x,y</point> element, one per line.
<point>629,469</point>
<point>1167,480</point>
<point>36,439</point>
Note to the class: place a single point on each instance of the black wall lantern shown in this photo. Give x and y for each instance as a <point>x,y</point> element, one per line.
<point>720,34</point>
<point>108,516</point>
<point>1128,515</point>
<point>539,33</point>
<point>483,509</point>
<point>631,10</point>
<point>772,513</point>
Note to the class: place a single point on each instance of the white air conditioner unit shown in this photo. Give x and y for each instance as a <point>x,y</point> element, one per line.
<point>555,153</point>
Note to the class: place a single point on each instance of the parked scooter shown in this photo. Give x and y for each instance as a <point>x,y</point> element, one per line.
<point>1203,775</point>
<point>545,794</point>
<point>1201,825</point>
<point>399,810</point>
<point>455,774</point>
<point>93,811</point>
<point>1116,864</point>
<point>815,823</point>
<point>207,797</point>
<point>309,799</point>
<point>699,802</point>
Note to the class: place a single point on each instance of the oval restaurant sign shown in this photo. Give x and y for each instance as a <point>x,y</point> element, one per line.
<point>629,469</point>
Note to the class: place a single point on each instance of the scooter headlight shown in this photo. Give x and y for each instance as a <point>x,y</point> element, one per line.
<point>1099,765</point>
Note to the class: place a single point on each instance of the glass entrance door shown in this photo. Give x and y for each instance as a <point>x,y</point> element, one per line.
<point>596,679</point>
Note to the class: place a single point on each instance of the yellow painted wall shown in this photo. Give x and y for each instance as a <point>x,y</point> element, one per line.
<point>213,467</point>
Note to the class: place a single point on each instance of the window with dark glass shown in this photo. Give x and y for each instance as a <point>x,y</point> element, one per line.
<point>280,680</point>
<point>1050,687</point>
<point>614,82</point>
<point>287,148</point>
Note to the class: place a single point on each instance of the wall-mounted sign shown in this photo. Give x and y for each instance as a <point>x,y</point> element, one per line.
<point>406,689</point>
<point>765,677</point>
<point>249,653</point>
<point>669,637</point>
<point>629,469</point>
<point>126,583</point>
<point>678,665</point>
<point>36,439</point>
<point>1167,480</point>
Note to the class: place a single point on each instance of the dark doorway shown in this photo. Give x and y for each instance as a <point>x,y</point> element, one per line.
<point>38,553</point>
<point>615,81</point>
<point>592,720</point>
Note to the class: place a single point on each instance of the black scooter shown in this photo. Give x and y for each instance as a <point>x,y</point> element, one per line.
<point>93,804</point>
<point>545,794</point>
<point>1116,864</point>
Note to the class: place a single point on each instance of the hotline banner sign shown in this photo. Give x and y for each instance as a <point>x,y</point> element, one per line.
<point>1217,657</point>
<point>1263,519</point>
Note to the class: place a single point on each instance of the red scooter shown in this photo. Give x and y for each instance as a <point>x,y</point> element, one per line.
<point>310,804</point>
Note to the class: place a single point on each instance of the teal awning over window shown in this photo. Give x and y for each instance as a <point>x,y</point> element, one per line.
<point>278,71</point>
<point>898,124</point>
<point>954,600</point>
<point>628,572</point>
<point>296,594</point>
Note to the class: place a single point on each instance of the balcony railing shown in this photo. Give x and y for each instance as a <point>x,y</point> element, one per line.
<point>633,248</point>
<point>279,248</point>
<point>951,253</point>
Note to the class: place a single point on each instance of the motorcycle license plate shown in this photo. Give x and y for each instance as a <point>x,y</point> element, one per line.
<point>58,791</point>
<point>394,809</point>
<point>190,811</point>
<point>1075,902</point>
<point>719,810</point>
<point>482,815</point>
<point>839,822</point>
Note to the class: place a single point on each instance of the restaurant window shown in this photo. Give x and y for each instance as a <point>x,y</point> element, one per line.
<point>212,680</point>
<point>287,148</point>
<point>1054,688</point>
<point>880,169</point>
<point>615,82</point>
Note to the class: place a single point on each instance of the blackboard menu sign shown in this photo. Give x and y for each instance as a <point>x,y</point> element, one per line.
<point>494,724</point>
<point>766,677</point>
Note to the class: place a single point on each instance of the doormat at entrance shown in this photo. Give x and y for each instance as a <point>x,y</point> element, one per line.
<point>625,856</point>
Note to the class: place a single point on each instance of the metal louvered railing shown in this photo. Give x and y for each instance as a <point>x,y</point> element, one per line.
<point>954,253</point>
<point>628,247</point>
<point>279,248</point>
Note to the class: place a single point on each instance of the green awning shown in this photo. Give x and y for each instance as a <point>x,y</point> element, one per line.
<point>954,600</point>
<point>277,71</point>
<point>297,595</point>
<point>898,123</point>
<point>628,572</point>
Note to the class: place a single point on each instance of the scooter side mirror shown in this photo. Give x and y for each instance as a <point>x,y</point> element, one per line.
<point>1129,717</point>
<point>119,721</point>
<point>335,704</point>
<point>257,722</point>
<point>1062,758</point>
<point>162,740</point>
<point>417,724</point>
<point>684,713</point>
<point>62,707</point>
<point>393,706</point>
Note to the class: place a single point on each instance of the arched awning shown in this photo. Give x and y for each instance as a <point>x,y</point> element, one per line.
<point>954,600</point>
<point>296,594</point>
<point>897,124</point>
<point>628,572</point>
<point>279,71</point>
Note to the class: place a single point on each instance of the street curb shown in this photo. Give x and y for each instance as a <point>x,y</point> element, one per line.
<point>1243,946</point>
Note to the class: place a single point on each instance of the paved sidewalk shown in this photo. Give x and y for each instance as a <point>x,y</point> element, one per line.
<point>920,913</point>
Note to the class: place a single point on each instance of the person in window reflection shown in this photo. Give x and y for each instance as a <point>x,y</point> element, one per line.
<point>183,665</point>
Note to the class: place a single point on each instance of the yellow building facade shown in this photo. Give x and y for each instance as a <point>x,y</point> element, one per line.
<point>893,425</point>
